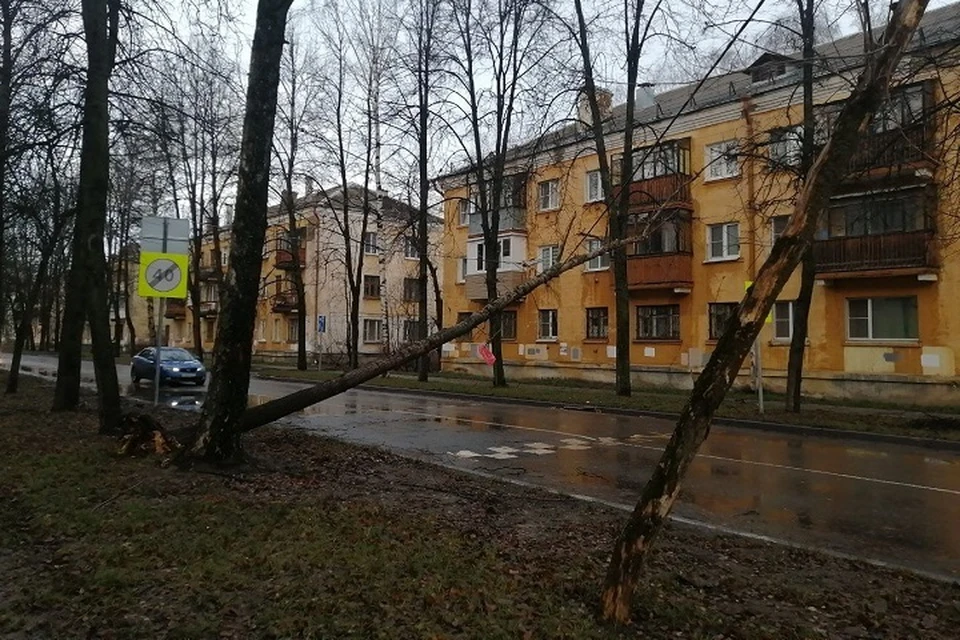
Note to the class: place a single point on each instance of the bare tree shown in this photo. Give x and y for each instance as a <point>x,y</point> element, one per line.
<point>661,491</point>
<point>86,282</point>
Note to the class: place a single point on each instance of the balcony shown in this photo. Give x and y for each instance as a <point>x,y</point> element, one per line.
<point>668,191</point>
<point>208,273</point>
<point>285,302</point>
<point>175,309</point>
<point>285,259</point>
<point>209,308</point>
<point>660,271</point>
<point>511,219</point>
<point>909,146</point>
<point>876,255</point>
<point>476,284</point>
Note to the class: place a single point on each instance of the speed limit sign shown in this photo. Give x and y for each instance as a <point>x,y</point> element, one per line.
<point>163,275</point>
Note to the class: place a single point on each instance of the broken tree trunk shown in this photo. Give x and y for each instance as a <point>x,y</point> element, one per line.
<point>662,489</point>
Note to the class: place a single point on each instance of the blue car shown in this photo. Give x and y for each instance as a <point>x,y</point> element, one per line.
<point>176,365</point>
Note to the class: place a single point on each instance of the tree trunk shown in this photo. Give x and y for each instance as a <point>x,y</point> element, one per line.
<point>86,293</point>
<point>218,437</point>
<point>711,386</point>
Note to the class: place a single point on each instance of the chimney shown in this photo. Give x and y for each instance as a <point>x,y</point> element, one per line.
<point>644,96</point>
<point>308,186</point>
<point>604,103</point>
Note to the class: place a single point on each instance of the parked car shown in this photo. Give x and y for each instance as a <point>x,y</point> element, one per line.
<point>176,365</point>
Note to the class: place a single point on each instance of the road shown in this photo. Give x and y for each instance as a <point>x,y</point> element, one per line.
<point>892,504</point>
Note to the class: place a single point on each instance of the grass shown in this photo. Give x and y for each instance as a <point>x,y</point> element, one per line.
<point>325,540</point>
<point>738,404</point>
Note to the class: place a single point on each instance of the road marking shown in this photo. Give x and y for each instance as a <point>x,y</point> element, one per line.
<point>706,456</point>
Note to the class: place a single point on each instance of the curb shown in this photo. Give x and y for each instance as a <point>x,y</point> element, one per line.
<point>736,423</point>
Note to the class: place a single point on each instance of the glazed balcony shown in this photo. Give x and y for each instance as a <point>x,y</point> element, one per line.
<point>660,271</point>
<point>876,254</point>
<point>909,147</point>
<point>175,309</point>
<point>511,219</point>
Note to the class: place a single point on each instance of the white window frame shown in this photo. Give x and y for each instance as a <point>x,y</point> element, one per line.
<point>548,200</point>
<point>870,316</point>
<point>600,263</point>
<point>553,322</point>
<point>774,236</point>
<point>789,150</point>
<point>371,248</point>
<point>721,160</point>
<point>726,254</point>
<point>464,211</point>
<point>549,255</point>
<point>593,186</point>
<point>789,305</point>
<point>410,249</point>
<point>506,248</point>
<point>378,323</point>
<point>462,265</point>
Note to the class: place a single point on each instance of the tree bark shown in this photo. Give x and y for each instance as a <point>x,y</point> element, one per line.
<point>218,437</point>
<point>86,292</point>
<point>662,489</point>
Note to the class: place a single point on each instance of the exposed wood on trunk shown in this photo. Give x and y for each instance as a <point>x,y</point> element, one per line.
<point>711,386</point>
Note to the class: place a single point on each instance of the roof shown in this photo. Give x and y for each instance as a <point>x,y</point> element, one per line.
<point>938,27</point>
<point>391,208</point>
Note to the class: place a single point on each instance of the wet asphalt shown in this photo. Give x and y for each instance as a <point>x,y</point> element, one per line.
<point>887,503</point>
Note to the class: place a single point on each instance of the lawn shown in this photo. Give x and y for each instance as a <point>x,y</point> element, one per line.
<point>738,404</point>
<point>318,539</point>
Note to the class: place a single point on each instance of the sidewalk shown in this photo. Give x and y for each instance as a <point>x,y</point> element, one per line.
<point>940,430</point>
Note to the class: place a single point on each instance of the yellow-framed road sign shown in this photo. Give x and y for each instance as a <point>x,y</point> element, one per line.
<point>163,275</point>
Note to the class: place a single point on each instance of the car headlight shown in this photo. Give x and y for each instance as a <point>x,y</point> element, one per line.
<point>175,369</point>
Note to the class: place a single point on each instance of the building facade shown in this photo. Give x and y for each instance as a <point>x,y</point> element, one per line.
<point>389,297</point>
<point>715,181</point>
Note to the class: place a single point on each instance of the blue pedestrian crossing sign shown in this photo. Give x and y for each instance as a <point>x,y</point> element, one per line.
<point>321,324</point>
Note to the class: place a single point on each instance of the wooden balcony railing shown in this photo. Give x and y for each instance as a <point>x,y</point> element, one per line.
<point>892,148</point>
<point>175,309</point>
<point>284,259</point>
<point>208,273</point>
<point>909,249</point>
<point>668,191</point>
<point>209,308</point>
<point>660,271</point>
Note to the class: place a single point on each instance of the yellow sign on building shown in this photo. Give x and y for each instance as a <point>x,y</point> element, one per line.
<point>163,275</point>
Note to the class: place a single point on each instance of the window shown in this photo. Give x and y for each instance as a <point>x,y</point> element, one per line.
<point>411,330</point>
<point>786,146</point>
<point>594,187</point>
<point>882,318</point>
<point>464,211</point>
<point>480,257</point>
<point>547,325</point>
<point>276,329</point>
<point>601,262</point>
<point>658,322</point>
<point>659,160</point>
<point>462,269</point>
<point>371,287</point>
<point>463,316</point>
<point>616,168</point>
<point>210,330</point>
<point>372,330</point>
<point>411,289</point>
<point>597,322</point>
<point>720,314</point>
<point>261,330</point>
<point>778,225</point>
<point>722,161</point>
<point>723,241</point>
<point>370,245</point>
<point>783,320</point>
<point>508,325</point>
<point>293,330</point>
<point>670,236</point>
<point>505,247</point>
<point>548,193</point>
<point>888,212</point>
<point>549,256</point>
<point>410,248</point>
<point>901,109</point>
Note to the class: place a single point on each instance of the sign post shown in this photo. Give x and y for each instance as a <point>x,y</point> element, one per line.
<point>757,363</point>
<point>321,329</point>
<point>164,245</point>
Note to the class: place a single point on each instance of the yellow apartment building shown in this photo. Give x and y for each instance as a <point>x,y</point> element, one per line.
<point>389,300</point>
<point>715,162</point>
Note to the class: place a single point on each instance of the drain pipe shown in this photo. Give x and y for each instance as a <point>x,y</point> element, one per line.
<point>747,111</point>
